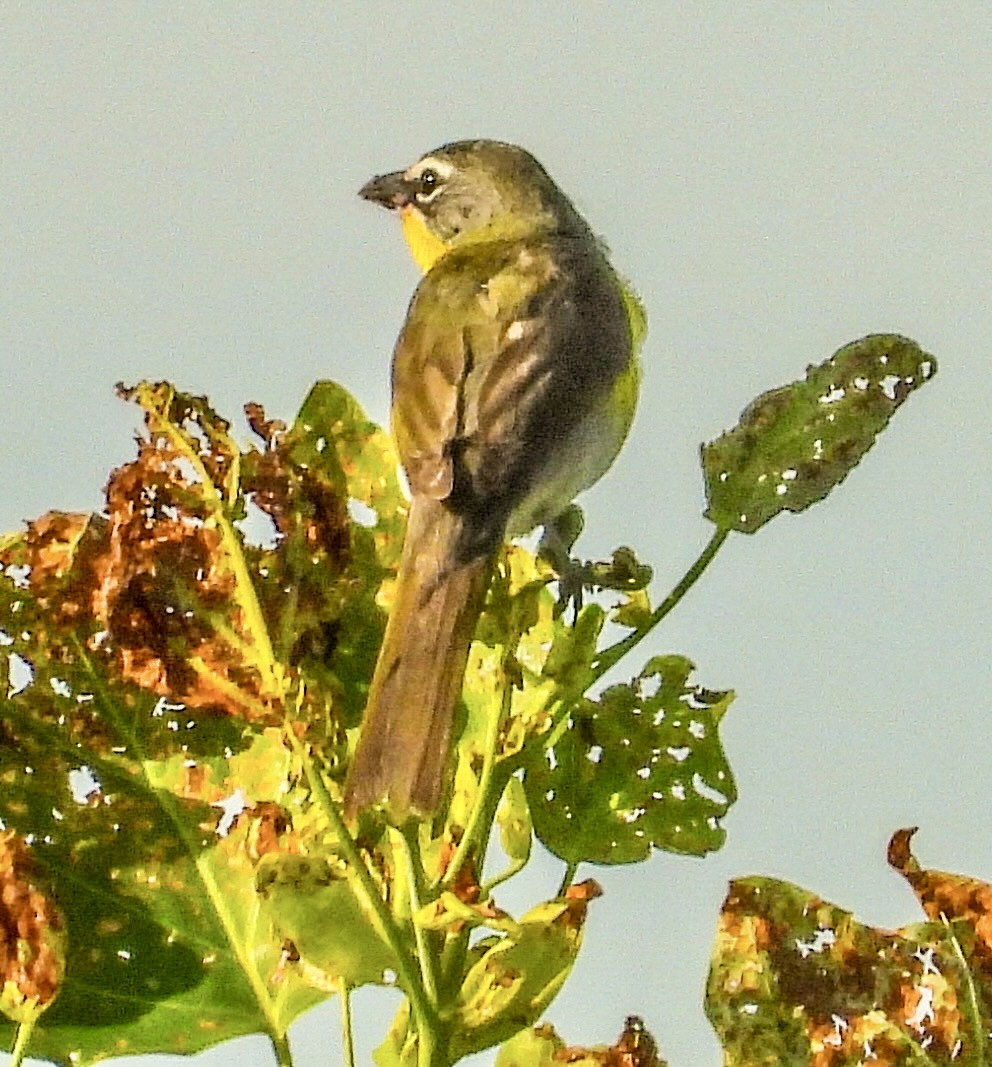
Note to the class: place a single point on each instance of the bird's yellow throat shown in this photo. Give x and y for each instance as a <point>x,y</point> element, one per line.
<point>424,246</point>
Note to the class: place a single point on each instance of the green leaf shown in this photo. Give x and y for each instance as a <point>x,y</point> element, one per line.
<point>642,767</point>
<point>329,485</point>
<point>399,1048</point>
<point>533,1047</point>
<point>332,433</point>
<point>524,647</point>
<point>542,1047</point>
<point>573,650</point>
<point>166,948</point>
<point>315,907</point>
<point>794,444</point>
<point>516,832</point>
<point>515,977</point>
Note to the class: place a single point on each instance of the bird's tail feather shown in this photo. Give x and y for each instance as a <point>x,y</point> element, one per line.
<point>405,742</point>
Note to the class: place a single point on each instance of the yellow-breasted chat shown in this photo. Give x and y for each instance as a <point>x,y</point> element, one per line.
<point>514,383</point>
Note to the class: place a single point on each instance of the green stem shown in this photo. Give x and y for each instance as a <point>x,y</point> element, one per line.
<point>504,876</point>
<point>409,979</point>
<point>481,815</point>
<point>410,848</point>
<point>18,1052</point>
<point>280,1045</point>
<point>566,698</point>
<point>609,657</point>
<point>347,1038</point>
<point>427,1049</point>
<point>567,878</point>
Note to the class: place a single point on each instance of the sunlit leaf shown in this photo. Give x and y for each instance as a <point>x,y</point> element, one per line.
<point>515,977</point>
<point>317,910</point>
<point>642,767</point>
<point>516,831</point>
<point>399,1048</point>
<point>152,657</point>
<point>542,1047</point>
<point>534,1047</point>
<point>794,444</point>
<point>634,610</point>
<point>524,653</point>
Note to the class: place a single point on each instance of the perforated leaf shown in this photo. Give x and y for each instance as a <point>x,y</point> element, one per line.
<point>796,979</point>
<point>642,767</point>
<point>152,658</point>
<point>794,444</point>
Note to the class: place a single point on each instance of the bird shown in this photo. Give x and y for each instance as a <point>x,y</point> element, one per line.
<point>514,383</point>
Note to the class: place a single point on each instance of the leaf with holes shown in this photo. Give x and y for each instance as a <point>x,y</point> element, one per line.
<point>642,767</point>
<point>794,444</point>
<point>327,486</point>
<point>795,979</point>
<point>152,660</point>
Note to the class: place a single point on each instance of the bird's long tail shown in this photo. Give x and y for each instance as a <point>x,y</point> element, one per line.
<point>405,742</point>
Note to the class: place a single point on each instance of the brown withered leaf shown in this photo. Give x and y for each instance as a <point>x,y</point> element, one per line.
<point>542,1047</point>
<point>948,897</point>
<point>634,1048</point>
<point>268,821</point>
<point>32,935</point>
<point>152,658</point>
<point>577,897</point>
<point>166,589</point>
<point>795,979</point>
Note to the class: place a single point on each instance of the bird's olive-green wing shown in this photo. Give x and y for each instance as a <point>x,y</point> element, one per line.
<point>505,346</point>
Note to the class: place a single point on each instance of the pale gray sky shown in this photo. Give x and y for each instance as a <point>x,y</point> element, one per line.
<point>178,187</point>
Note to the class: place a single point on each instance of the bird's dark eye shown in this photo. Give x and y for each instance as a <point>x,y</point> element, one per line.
<point>429,181</point>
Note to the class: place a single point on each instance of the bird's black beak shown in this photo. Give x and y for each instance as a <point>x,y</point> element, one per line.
<point>389,190</point>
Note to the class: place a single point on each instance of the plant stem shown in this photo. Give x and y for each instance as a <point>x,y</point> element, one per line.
<point>18,1052</point>
<point>567,878</point>
<point>426,1049</point>
<point>347,1038</point>
<point>410,848</point>
<point>409,978</point>
<point>280,1045</point>
<point>481,815</point>
<point>612,655</point>
<point>566,698</point>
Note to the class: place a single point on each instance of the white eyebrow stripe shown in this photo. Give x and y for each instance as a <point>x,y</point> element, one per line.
<point>441,166</point>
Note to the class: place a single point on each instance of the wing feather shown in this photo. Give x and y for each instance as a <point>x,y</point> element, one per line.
<point>504,350</point>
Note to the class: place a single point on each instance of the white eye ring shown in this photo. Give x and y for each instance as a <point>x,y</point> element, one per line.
<point>430,185</point>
